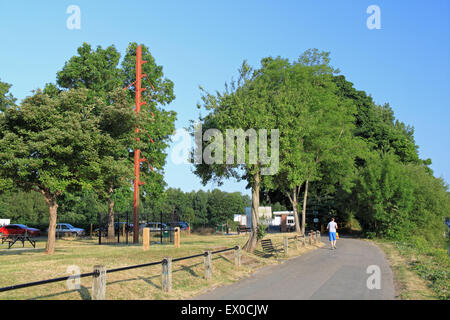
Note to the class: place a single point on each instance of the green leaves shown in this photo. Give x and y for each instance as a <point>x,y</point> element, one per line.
<point>96,70</point>
<point>397,200</point>
<point>99,72</point>
<point>6,99</point>
<point>51,143</point>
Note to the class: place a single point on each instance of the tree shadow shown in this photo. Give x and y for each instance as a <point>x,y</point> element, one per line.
<point>19,251</point>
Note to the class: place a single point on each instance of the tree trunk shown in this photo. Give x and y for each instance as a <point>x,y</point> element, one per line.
<point>111,229</point>
<point>50,199</point>
<point>295,209</point>
<point>304,207</point>
<point>253,240</point>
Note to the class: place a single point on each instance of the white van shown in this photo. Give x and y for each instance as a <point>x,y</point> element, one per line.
<point>4,222</point>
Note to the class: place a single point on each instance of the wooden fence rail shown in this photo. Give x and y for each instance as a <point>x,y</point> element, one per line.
<point>99,273</point>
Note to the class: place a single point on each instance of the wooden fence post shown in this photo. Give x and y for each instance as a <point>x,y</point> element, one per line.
<point>99,283</point>
<point>177,237</point>
<point>296,242</point>
<point>319,240</point>
<point>167,274</point>
<point>304,240</point>
<point>91,231</point>
<point>146,238</point>
<point>208,265</point>
<point>286,246</point>
<point>310,238</point>
<point>123,230</point>
<point>237,257</point>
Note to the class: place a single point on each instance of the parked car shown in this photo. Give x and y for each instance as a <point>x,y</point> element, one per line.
<point>103,229</point>
<point>180,224</point>
<point>12,229</point>
<point>154,226</point>
<point>65,228</point>
<point>118,226</point>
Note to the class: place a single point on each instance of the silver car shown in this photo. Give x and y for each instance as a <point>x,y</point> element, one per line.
<point>66,228</point>
<point>154,226</point>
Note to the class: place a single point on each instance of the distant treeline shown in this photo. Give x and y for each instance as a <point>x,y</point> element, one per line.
<point>199,208</point>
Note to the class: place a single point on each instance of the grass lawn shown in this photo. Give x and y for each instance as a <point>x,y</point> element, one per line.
<point>419,274</point>
<point>19,265</point>
<point>408,285</point>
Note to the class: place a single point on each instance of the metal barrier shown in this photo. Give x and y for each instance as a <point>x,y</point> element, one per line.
<point>99,273</point>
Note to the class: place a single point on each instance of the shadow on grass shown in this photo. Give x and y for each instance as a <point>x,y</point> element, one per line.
<point>83,291</point>
<point>263,254</point>
<point>85,295</point>
<point>19,251</point>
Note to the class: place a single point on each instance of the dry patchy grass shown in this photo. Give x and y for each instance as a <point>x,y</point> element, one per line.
<point>19,265</point>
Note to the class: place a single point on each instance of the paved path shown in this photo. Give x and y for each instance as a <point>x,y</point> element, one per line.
<point>320,274</point>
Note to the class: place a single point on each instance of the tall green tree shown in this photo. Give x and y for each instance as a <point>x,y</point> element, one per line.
<point>99,72</point>
<point>400,201</point>
<point>217,208</point>
<point>23,207</point>
<point>116,123</point>
<point>315,125</point>
<point>7,100</point>
<point>49,145</point>
<point>377,124</point>
<point>244,106</point>
<point>95,70</point>
<point>200,206</point>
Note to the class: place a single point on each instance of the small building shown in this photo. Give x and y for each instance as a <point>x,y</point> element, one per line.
<point>278,219</point>
<point>283,219</point>
<point>5,222</point>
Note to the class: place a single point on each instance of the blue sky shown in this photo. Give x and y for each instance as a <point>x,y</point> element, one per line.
<point>405,63</point>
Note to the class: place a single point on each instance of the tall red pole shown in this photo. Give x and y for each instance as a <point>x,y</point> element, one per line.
<point>137,153</point>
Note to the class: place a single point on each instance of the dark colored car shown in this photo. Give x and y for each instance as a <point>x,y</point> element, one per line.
<point>118,226</point>
<point>13,229</point>
<point>180,224</point>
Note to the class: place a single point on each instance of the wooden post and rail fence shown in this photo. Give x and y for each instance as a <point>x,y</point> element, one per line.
<point>313,236</point>
<point>99,273</point>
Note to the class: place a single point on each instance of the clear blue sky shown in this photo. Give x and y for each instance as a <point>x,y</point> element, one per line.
<point>406,63</point>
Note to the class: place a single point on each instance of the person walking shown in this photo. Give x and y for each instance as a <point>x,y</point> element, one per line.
<point>332,227</point>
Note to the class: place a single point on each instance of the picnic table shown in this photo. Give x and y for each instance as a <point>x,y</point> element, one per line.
<point>13,238</point>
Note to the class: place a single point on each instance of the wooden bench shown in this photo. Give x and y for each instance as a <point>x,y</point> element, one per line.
<point>269,248</point>
<point>243,229</point>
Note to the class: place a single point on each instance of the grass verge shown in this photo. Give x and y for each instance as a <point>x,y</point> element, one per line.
<point>19,265</point>
<point>421,272</point>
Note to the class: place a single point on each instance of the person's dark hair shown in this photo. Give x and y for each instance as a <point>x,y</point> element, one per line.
<point>332,218</point>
